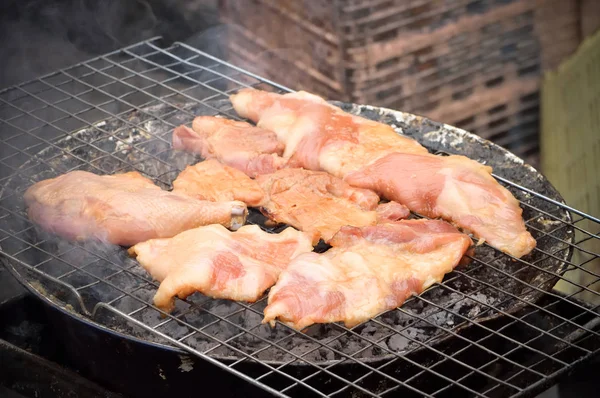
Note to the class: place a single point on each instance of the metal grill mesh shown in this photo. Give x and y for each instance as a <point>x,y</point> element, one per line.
<point>81,118</point>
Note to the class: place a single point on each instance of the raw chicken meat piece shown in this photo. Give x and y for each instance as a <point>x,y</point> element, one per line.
<point>121,209</point>
<point>218,263</point>
<point>214,181</point>
<point>320,136</point>
<point>316,202</point>
<point>455,188</point>
<point>391,211</point>
<point>237,144</point>
<point>367,154</point>
<point>368,270</point>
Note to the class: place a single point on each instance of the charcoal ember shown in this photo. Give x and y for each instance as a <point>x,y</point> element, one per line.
<point>380,335</point>
<point>223,331</point>
<point>336,345</point>
<point>222,308</point>
<point>375,333</point>
<point>355,344</point>
<point>250,343</point>
<point>201,345</point>
<point>384,346</point>
<point>198,318</point>
<point>227,352</point>
<point>274,334</point>
<point>483,299</point>
<point>318,355</point>
<point>175,330</point>
<point>417,305</point>
<point>150,317</point>
<point>274,353</point>
<point>397,318</point>
<point>368,330</point>
<point>370,352</point>
<point>398,342</point>
<point>305,347</point>
<point>326,354</point>
<point>440,318</point>
<point>249,319</point>
<point>136,269</point>
<point>478,303</point>
<point>145,294</point>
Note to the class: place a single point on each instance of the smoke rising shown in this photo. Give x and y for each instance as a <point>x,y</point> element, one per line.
<point>40,36</point>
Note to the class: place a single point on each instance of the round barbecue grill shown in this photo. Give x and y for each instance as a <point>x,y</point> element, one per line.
<point>99,287</point>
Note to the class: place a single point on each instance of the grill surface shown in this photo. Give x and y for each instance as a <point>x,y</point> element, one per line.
<point>116,112</point>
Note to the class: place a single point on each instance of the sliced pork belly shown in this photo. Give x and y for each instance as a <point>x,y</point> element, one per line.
<point>316,202</point>
<point>214,181</point>
<point>367,271</point>
<point>218,263</point>
<point>237,144</point>
<point>455,188</point>
<point>368,154</point>
<point>121,209</point>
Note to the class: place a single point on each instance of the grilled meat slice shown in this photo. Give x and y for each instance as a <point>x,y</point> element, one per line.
<point>214,181</point>
<point>121,209</point>
<point>367,271</point>
<point>391,211</point>
<point>218,263</point>
<point>237,144</point>
<point>320,136</point>
<point>455,188</point>
<point>316,202</point>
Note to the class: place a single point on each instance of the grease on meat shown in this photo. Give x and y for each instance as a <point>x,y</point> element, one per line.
<point>121,209</point>
<point>214,181</point>
<point>237,144</point>
<point>367,271</point>
<point>320,204</point>
<point>455,188</point>
<point>221,264</point>
<point>320,136</point>
<point>391,211</point>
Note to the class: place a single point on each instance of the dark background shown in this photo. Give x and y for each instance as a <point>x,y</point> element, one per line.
<point>41,36</point>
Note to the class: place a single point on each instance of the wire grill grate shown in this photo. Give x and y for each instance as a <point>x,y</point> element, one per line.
<point>115,113</point>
